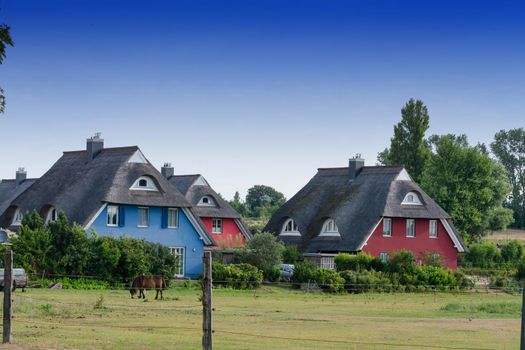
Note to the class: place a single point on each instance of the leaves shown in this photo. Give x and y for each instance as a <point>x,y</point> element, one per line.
<point>5,40</point>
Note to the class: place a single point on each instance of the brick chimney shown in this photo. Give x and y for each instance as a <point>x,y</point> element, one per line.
<point>21,175</point>
<point>94,145</point>
<point>355,165</point>
<point>167,170</point>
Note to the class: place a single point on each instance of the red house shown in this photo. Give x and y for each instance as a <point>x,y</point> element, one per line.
<point>375,209</point>
<point>220,219</point>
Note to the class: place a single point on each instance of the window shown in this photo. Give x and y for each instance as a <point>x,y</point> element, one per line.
<point>173,217</point>
<point>290,228</point>
<point>143,217</point>
<point>411,198</point>
<point>411,228</point>
<point>387,227</point>
<point>51,215</point>
<point>179,253</point>
<point>216,226</point>
<point>329,228</point>
<point>327,262</point>
<point>384,257</point>
<point>433,229</point>
<point>18,217</point>
<point>207,201</point>
<point>112,219</point>
<point>144,183</point>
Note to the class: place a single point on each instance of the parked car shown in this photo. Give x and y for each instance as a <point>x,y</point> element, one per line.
<point>286,271</point>
<point>19,279</point>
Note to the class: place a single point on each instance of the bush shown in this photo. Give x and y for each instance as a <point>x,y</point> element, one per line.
<point>264,252</point>
<point>520,273</point>
<point>358,262</point>
<point>291,254</point>
<point>435,277</point>
<point>329,280</point>
<point>512,252</point>
<point>403,262</point>
<point>238,276</point>
<point>365,281</point>
<point>484,255</point>
<point>71,283</point>
<point>304,272</point>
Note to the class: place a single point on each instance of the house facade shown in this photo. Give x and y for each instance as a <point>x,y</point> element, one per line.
<point>222,222</point>
<point>375,209</point>
<point>116,192</point>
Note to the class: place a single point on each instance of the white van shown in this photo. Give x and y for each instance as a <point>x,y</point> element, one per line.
<point>19,279</point>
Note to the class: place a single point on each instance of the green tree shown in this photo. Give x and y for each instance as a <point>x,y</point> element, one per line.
<point>509,149</point>
<point>408,145</point>
<point>468,184</point>
<point>5,40</point>
<point>264,252</point>
<point>262,201</point>
<point>238,204</point>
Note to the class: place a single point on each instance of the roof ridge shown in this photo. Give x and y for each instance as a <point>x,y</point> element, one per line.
<point>106,149</point>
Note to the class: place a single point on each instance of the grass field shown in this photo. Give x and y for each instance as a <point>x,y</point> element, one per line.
<point>269,318</point>
<point>506,235</point>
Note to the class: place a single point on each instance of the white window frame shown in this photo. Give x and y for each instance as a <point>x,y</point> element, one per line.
<point>180,252</point>
<point>116,208</point>
<point>414,199</point>
<point>176,214</point>
<point>138,216</point>
<point>150,185</point>
<point>433,229</point>
<point>52,215</point>
<point>290,228</point>
<point>18,217</point>
<point>216,228</point>
<point>384,256</point>
<point>387,233</point>
<point>327,262</point>
<point>210,203</point>
<point>329,228</point>
<point>413,233</point>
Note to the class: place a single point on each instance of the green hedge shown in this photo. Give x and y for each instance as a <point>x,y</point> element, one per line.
<point>238,276</point>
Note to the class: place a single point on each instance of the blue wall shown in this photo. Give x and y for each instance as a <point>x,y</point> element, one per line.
<point>185,235</point>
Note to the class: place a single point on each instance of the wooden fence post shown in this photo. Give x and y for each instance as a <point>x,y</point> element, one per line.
<point>522,344</point>
<point>8,287</point>
<point>206,302</point>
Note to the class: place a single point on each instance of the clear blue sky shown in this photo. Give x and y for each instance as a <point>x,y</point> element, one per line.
<point>253,92</point>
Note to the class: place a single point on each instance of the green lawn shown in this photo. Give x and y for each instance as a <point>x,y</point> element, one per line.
<point>269,318</point>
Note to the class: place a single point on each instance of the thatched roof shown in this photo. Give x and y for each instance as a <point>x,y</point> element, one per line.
<point>79,186</point>
<point>195,187</point>
<point>9,190</point>
<point>357,205</point>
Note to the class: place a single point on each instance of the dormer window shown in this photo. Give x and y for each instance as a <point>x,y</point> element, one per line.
<point>144,183</point>
<point>411,198</point>
<point>207,201</point>
<point>19,216</point>
<point>329,228</point>
<point>290,228</point>
<point>52,215</point>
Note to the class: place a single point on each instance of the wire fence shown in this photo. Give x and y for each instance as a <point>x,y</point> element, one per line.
<point>192,304</point>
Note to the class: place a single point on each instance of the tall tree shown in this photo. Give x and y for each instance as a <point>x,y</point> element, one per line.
<point>408,145</point>
<point>5,40</point>
<point>262,201</point>
<point>238,204</point>
<point>468,184</point>
<point>509,148</point>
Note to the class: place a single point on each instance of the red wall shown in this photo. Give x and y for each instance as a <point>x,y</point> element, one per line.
<point>231,234</point>
<point>418,245</point>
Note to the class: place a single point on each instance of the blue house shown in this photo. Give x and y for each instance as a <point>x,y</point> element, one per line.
<point>117,192</point>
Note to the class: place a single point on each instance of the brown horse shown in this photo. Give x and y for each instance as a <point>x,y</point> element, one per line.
<point>143,282</point>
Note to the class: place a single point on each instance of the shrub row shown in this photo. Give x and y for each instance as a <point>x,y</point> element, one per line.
<point>237,276</point>
<point>60,249</point>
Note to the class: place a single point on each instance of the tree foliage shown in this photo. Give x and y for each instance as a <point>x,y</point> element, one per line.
<point>408,145</point>
<point>509,148</point>
<point>63,249</point>
<point>5,40</point>
<point>468,184</point>
<point>262,201</point>
<point>264,252</point>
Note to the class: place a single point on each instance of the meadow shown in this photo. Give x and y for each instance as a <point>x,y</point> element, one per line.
<point>270,317</point>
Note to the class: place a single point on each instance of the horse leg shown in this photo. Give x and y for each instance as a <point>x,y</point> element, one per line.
<point>157,295</point>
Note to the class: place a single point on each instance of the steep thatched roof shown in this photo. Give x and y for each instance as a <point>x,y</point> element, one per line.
<point>195,187</point>
<point>357,205</point>
<point>79,186</point>
<point>9,190</point>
